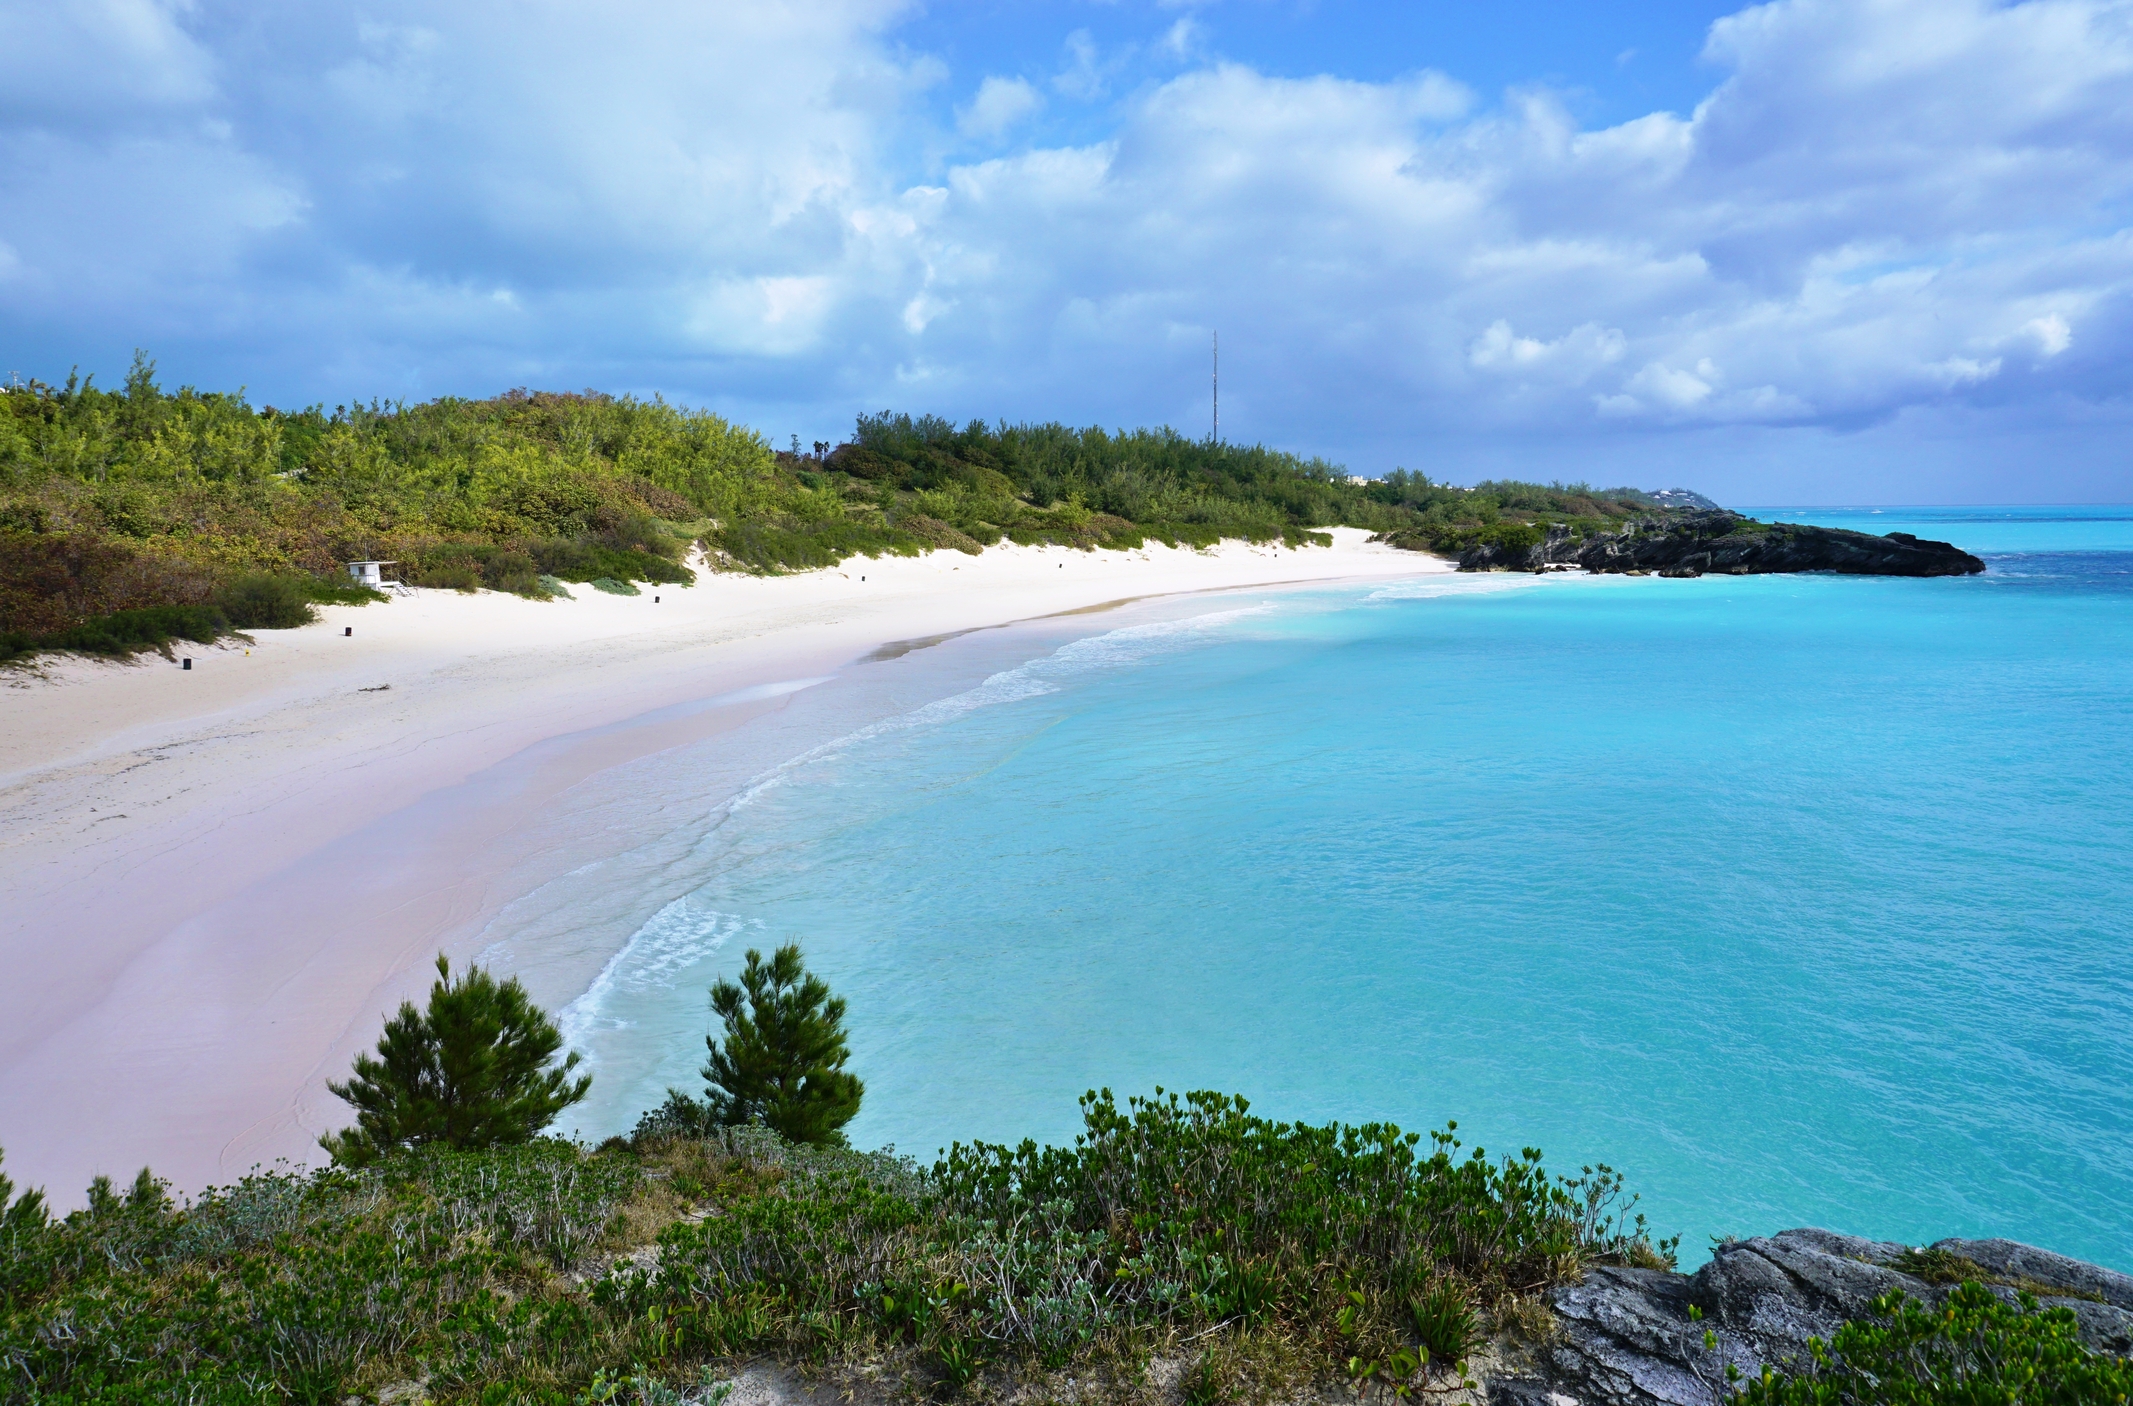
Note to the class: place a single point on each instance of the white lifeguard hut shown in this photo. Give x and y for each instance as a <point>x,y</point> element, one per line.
<point>367,573</point>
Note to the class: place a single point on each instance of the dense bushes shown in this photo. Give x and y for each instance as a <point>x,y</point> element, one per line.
<point>1975,1349</point>
<point>112,501</point>
<point>259,601</point>
<point>522,1273</point>
<point>126,631</point>
<point>1256,1255</point>
<point>118,500</point>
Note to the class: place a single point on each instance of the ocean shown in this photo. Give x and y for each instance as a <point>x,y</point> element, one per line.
<point>1796,900</point>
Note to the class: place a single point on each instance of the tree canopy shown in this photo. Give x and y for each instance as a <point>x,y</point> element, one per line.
<point>782,1061</point>
<point>471,1070</point>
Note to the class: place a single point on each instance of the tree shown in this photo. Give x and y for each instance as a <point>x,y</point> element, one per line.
<point>471,1071</point>
<point>782,1061</point>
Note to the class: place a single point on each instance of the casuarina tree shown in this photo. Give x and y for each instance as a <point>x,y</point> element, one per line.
<point>473,1070</point>
<point>782,1061</point>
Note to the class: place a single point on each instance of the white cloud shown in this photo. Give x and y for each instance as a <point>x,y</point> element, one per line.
<point>762,316</point>
<point>1183,39</point>
<point>1885,210</point>
<point>1579,352</point>
<point>999,105</point>
<point>2052,333</point>
<point>1678,390</point>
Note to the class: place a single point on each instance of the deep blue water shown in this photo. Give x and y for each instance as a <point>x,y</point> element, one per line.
<point>1798,900</point>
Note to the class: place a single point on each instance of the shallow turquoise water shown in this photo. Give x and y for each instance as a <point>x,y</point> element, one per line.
<point>1798,900</point>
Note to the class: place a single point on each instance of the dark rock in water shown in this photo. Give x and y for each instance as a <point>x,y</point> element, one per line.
<point>1625,1336</point>
<point>1693,543</point>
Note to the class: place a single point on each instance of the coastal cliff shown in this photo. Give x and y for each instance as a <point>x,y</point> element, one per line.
<point>1638,1337</point>
<point>1693,543</point>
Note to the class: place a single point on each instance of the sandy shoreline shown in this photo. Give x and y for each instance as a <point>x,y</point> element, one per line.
<point>213,882</point>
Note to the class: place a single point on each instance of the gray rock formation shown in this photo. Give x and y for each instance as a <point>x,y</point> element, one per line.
<point>1693,543</point>
<point>1681,498</point>
<point>1625,1337</point>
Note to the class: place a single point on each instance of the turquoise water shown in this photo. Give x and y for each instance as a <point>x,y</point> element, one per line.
<point>1798,900</point>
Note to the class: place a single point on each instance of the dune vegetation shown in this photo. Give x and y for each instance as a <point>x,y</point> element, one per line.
<point>188,505</point>
<point>1180,1250</point>
<point>1266,1254</point>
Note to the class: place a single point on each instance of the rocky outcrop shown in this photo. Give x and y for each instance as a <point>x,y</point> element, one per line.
<point>1626,1337</point>
<point>1693,543</point>
<point>1681,498</point>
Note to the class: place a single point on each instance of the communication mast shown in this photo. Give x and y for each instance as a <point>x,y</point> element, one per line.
<point>1218,387</point>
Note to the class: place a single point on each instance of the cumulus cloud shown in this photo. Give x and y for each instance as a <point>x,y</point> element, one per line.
<point>1884,209</point>
<point>1000,104</point>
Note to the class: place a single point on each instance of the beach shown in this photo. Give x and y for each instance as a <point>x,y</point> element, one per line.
<point>215,882</point>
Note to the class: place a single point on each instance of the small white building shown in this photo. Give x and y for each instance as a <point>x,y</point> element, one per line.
<point>366,572</point>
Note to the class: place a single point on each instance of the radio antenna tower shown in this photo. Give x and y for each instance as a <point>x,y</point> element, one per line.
<point>1218,387</point>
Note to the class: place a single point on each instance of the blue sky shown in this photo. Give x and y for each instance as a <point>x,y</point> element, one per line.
<point>1809,251</point>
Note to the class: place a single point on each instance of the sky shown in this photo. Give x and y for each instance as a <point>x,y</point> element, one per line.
<point>1814,251</point>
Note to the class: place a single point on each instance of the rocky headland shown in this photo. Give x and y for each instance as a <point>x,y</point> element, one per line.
<point>1696,542</point>
<point>1629,1337</point>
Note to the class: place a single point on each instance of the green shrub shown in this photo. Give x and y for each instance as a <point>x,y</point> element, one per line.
<point>460,575</point>
<point>527,1272</point>
<point>1973,1349</point>
<point>151,627</point>
<point>339,592</point>
<point>587,561</point>
<point>258,601</point>
<point>613,587</point>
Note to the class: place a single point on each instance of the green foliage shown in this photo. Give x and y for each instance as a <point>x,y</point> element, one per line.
<point>544,1272</point>
<point>1973,1349</point>
<point>472,1070</point>
<point>259,601</point>
<point>119,500</point>
<point>1445,1326</point>
<point>781,1063</point>
<point>152,627</point>
<point>1232,1208</point>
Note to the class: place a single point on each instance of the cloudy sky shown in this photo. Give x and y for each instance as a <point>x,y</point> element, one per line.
<point>1813,251</point>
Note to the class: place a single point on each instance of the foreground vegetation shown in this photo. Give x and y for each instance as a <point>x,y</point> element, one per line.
<point>1266,1253</point>
<point>1250,1258</point>
<point>1181,1249</point>
<point>140,499</point>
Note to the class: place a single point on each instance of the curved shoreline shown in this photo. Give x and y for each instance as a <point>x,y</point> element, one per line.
<point>211,898</point>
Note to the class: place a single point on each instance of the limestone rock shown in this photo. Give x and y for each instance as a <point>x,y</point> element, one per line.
<point>1626,1337</point>
<point>1692,543</point>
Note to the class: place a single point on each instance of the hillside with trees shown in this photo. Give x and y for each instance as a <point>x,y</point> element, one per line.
<point>132,513</point>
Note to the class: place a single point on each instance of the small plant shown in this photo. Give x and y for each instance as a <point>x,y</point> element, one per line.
<point>959,1361</point>
<point>1201,1384</point>
<point>470,1071</point>
<point>1444,1323</point>
<point>1937,1266</point>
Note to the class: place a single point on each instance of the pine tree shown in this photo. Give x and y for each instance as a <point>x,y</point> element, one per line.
<point>782,1061</point>
<point>25,1213</point>
<point>471,1071</point>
